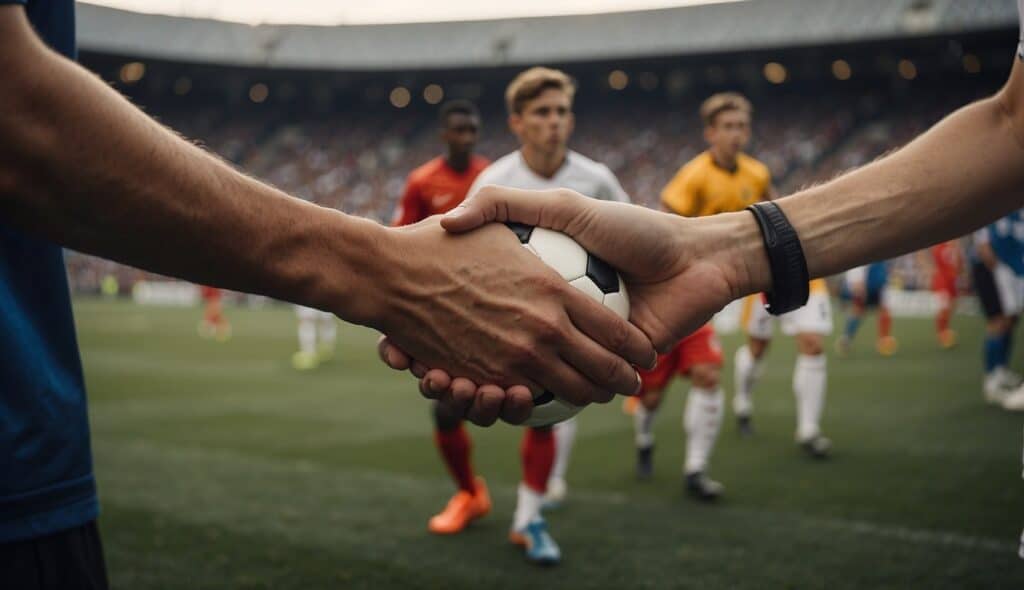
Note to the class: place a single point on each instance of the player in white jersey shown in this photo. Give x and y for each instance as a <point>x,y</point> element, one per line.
<point>317,334</point>
<point>539,103</point>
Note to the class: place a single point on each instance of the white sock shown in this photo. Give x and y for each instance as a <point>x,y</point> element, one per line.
<point>328,331</point>
<point>643,426</point>
<point>528,505</point>
<point>809,378</point>
<point>307,336</point>
<point>746,371</point>
<point>701,421</point>
<point>565,436</point>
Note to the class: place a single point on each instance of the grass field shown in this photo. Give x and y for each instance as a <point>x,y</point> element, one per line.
<point>221,467</point>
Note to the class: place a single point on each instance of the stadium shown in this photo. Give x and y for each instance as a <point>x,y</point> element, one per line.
<point>223,460</point>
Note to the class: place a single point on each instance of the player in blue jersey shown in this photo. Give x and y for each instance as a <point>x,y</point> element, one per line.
<point>864,289</point>
<point>997,266</point>
<point>81,167</point>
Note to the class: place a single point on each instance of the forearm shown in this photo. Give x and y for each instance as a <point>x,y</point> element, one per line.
<point>84,168</point>
<point>966,171</point>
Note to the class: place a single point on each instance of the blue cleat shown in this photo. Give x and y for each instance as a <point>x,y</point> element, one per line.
<point>540,547</point>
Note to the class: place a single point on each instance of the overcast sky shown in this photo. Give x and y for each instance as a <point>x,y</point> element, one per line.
<point>331,12</point>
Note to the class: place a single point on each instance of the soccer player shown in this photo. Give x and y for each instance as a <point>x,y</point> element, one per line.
<point>214,323</point>
<point>318,333</point>
<point>539,103</point>
<point>948,262</point>
<point>995,266</point>
<point>433,189</point>
<point>864,287</point>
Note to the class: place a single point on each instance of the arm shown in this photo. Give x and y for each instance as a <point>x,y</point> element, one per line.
<point>88,170</point>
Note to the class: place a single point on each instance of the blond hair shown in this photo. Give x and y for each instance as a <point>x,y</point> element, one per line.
<point>532,83</point>
<point>722,102</point>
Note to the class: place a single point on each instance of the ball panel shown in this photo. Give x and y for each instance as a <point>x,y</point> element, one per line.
<point>602,273</point>
<point>560,252</point>
<point>619,303</point>
<point>552,412</point>
<point>587,286</point>
<point>521,230</point>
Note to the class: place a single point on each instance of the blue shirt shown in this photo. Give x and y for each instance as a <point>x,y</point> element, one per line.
<point>46,480</point>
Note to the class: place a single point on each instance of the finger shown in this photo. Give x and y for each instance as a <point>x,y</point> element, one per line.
<point>518,404</point>
<point>486,406</point>
<point>553,209</point>
<point>435,383</point>
<point>459,397</point>
<point>418,369</point>
<point>391,355</point>
<point>610,331</point>
<point>566,382</point>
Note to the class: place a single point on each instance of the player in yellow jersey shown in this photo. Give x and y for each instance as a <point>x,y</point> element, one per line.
<point>724,179</point>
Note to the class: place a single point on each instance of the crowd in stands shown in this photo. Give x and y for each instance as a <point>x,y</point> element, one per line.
<point>357,160</point>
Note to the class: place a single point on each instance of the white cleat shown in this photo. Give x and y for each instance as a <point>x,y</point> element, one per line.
<point>1014,400</point>
<point>995,389</point>
<point>555,496</point>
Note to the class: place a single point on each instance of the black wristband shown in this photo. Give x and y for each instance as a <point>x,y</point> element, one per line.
<point>790,280</point>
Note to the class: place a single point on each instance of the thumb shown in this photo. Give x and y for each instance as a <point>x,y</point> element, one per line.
<point>491,203</point>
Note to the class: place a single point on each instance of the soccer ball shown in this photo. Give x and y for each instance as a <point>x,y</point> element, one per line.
<point>586,272</point>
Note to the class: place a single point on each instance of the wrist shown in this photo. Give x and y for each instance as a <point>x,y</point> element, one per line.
<point>734,243</point>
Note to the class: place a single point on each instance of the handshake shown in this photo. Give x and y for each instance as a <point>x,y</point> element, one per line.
<point>485,337</point>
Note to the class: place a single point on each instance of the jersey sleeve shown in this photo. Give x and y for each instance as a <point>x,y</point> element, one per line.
<point>611,190</point>
<point>681,195</point>
<point>410,207</point>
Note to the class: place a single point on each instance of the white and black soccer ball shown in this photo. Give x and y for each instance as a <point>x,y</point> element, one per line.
<point>586,272</point>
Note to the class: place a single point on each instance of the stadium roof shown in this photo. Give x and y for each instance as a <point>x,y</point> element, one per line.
<point>754,24</point>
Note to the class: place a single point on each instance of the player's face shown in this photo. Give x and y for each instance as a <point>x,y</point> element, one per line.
<point>730,133</point>
<point>461,133</point>
<point>545,122</point>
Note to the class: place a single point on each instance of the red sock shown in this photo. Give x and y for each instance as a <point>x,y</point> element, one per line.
<point>538,455</point>
<point>942,319</point>
<point>884,322</point>
<point>455,449</point>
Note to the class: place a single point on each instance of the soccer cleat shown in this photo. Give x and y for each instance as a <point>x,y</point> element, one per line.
<point>555,494</point>
<point>886,346</point>
<point>645,463</point>
<point>461,510</point>
<point>1014,400</point>
<point>817,447</point>
<point>629,405</point>
<point>1010,379</point>
<point>539,547</point>
<point>947,339</point>
<point>996,389</point>
<point>703,487</point>
<point>305,361</point>
<point>745,425</point>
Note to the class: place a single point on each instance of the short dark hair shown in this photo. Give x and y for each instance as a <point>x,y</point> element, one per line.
<point>458,105</point>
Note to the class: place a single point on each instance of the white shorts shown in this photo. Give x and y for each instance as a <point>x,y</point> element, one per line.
<point>813,318</point>
<point>1010,288</point>
<point>311,314</point>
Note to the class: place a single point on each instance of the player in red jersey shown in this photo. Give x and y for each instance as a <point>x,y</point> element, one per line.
<point>948,262</point>
<point>213,324</point>
<point>432,189</point>
<point>442,183</point>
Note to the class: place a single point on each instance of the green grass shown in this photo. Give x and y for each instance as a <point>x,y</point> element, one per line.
<point>221,467</point>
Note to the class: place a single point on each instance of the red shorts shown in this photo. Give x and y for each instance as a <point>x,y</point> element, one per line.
<point>209,294</point>
<point>699,348</point>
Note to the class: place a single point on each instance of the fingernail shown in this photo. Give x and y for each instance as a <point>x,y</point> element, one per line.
<point>455,212</point>
<point>654,364</point>
<point>430,385</point>
<point>639,385</point>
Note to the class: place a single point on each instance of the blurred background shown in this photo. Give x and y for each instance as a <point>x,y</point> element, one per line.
<point>223,467</point>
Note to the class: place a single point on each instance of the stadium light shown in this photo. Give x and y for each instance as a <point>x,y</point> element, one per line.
<point>841,69</point>
<point>433,93</point>
<point>907,69</point>
<point>972,65</point>
<point>775,72</point>
<point>258,92</point>
<point>132,72</point>
<point>182,86</point>
<point>618,80</point>
<point>400,97</point>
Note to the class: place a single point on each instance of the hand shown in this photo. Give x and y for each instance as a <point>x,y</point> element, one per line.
<point>678,271</point>
<point>482,307</point>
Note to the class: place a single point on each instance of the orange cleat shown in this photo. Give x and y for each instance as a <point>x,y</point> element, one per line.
<point>886,346</point>
<point>947,339</point>
<point>461,510</point>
